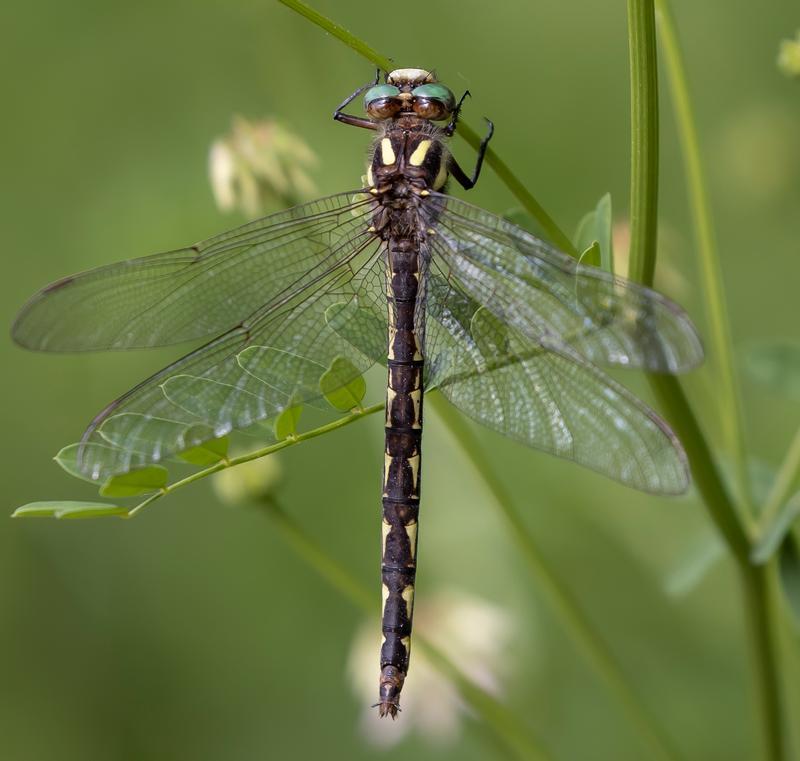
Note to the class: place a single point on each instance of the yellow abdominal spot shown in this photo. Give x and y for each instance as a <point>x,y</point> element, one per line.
<point>411,532</point>
<point>387,152</point>
<point>417,352</point>
<point>416,400</point>
<point>413,463</point>
<point>387,464</point>
<point>408,595</point>
<point>391,395</point>
<point>420,152</point>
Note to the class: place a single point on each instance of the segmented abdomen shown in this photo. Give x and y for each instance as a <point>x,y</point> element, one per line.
<point>401,475</point>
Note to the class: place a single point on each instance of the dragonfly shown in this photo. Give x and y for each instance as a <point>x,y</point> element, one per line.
<point>444,294</point>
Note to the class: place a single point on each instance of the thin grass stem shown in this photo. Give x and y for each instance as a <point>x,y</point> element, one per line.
<point>339,32</point>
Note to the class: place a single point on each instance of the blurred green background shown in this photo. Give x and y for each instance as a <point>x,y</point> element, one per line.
<point>194,632</point>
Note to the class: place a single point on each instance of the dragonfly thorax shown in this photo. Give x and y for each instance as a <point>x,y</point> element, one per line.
<point>408,158</point>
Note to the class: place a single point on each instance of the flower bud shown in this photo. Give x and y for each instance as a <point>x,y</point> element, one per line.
<point>252,481</point>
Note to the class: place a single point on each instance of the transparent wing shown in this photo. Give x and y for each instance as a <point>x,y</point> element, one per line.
<point>191,293</point>
<point>330,321</point>
<point>544,394</point>
<point>544,293</point>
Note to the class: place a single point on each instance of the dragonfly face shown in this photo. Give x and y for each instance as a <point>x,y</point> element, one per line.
<point>447,295</point>
<point>409,92</point>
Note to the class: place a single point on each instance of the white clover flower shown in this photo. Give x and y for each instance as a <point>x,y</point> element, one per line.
<point>259,164</point>
<point>474,633</point>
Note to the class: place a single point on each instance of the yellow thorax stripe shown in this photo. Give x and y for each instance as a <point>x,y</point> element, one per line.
<point>387,152</point>
<point>418,156</point>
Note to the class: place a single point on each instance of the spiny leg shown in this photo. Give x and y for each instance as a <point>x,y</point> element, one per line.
<point>459,174</point>
<point>356,121</point>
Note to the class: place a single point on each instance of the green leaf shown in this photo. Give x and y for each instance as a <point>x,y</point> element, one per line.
<point>591,255</point>
<point>207,453</point>
<point>605,231</point>
<point>135,432</point>
<point>774,534</point>
<point>285,424</point>
<point>66,509</point>
<point>67,458</point>
<point>595,228</point>
<point>789,574</point>
<point>143,481</point>
<point>776,365</point>
<point>343,385</point>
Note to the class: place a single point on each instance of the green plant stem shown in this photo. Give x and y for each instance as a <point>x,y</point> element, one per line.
<point>325,565</point>
<point>705,473</point>
<point>520,192</point>
<point>566,607</point>
<point>644,140</point>
<point>509,179</point>
<point>782,486</point>
<point>762,626</point>
<point>339,32</point>
<point>507,729</point>
<point>231,462</point>
<point>720,344</point>
<point>721,509</point>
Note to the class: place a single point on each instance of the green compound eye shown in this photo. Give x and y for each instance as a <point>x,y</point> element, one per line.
<point>437,92</point>
<point>380,91</point>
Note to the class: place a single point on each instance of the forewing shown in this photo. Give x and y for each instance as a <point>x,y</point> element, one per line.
<point>191,293</point>
<point>324,325</point>
<point>544,394</point>
<point>544,293</point>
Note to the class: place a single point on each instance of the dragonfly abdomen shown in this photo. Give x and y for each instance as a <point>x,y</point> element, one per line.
<point>401,476</point>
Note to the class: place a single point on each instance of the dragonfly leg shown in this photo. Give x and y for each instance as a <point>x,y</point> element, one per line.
<point>356,121</point>
<point>459,174</point>
<point>451,126</point>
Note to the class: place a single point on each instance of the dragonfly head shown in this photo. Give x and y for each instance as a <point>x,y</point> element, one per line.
<point>409,92</point>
